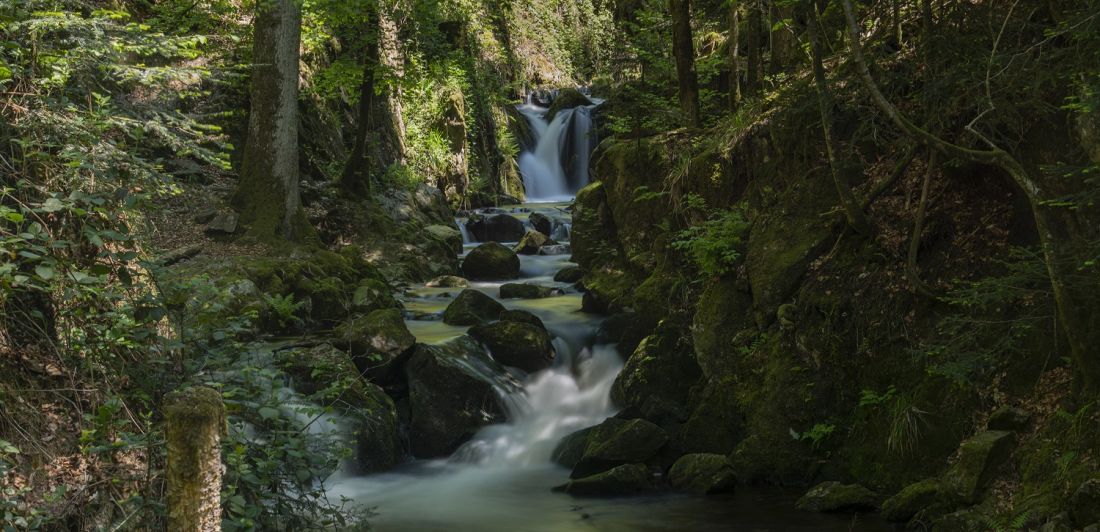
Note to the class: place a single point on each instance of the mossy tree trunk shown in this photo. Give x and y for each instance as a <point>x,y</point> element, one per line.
<point>267,194</point>
<point>195,421</point>
<point>735,54</point>
<point>683,49</point>
<point>752,42</point>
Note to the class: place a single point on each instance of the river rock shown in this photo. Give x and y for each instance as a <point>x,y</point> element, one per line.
<point>453,393</point>
<point>702,474</point>
<point>491,262</point>
<point>373,294</point>
<point>1084,505</point>
<point>448,234</point>
<point>911,500</point>
<point>569,274</point>
<point>555,249</point>
<point>837,497</point>
<point>618,441</point>
<point>570,449</point>
<point>979,459</point>
<point>658,377</point>
<point>532,242</point>
<point>567,99</point>
<point>520,345</point>
<point>448,281</point>
<point>321,373</point>
<point>542,223</point>
<point>622,480</point>
<point>495,228</point>
<point>472,307</point>
<point>524,291</point>
<point>378,342</point>
<point>522,316</point>
<point>223,224</point>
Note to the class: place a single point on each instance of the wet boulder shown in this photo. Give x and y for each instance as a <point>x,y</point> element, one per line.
<point>626,479</point>
<point>520,345</point>
<point>702,474</point>
<point>373,294</point>
<point>491,262</point>
<point>472,307</point>
<point>570,449</point>
<point>979,459</point>
<point>522,316</point>
<point>326,375</point>
<point>525,291</point>
<point>567,99</point>
<point>619,441</point>
<point>447,234</point>
<point>377,342</point>
<point>532,242</point>
<point>542,223</point>
<point>569,274</point>
<point>495,228</point>
<point>657,378</point>
<point>911,500</point>
<point>837,497</point>
<point>454,390</point>
<point>448,281</point>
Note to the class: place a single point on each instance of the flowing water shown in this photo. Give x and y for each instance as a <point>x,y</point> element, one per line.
<point>501,480</point>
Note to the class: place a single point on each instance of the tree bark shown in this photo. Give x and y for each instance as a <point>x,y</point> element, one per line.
<point>752,68</point>
<point>267,194</point>
<point>735,52</point>
<point>194,422</point>
<point>684,50</point>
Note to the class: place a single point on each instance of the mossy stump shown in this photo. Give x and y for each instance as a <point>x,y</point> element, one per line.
<point>195,421</point>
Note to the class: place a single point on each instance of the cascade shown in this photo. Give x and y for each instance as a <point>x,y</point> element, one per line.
<point>557,167</point>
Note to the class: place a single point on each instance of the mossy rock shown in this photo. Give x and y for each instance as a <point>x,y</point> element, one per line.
<point>569,274</point>
<point>520,345</point>
<point>1084,505</point>
<point>472,307</point>
<point>568,98</point>
<point>525,291</point>
<point>1009,418</point>
<point>373,294</point>
<point>702,474</point>
<point>633,172</point>
<point>542,223</point>
<point>448,281</point>
<point>966,520</point>
<point>532,242</point>
<point>378,342</point>
<point>618,441</point>
<point>658,377</point>
<point>911,500</point>
<point>716,425</point>
<point>447,234</point>
<point>523,316</point>
<point>495,228</point>
<point>452,394</point>
<point>622,480</point>
<point>724,309</point>
<point>570,449</point>
<point>491,262</point>
<point>978,461</point>
<point>837,497</point>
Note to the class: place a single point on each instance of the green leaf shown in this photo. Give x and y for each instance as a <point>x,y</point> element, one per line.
<point>52,205</point>
<point>14,217</point>
<point>45,272</point>
<point>268,413</point>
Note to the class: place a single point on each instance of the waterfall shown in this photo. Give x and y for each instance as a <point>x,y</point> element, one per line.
<point>558,165</point>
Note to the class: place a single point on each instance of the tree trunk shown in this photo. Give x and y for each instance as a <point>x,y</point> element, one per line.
<point>784,42</point>
<point>735,51</point>
<point>392,60</point>
<point>684,50</point>
<point>267,194</point>
<point>194,422</point>
<point>752,69</point>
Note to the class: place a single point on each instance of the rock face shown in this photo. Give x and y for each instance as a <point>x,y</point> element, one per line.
<point>324,374</point>
<point>979,459</point>
<point>570,449</point>
<point>515,344</point>
<point>911,500</point>
<point>491,262</point>
<point>1084,505</point>
<point>541,223</point>
<point>621,480</point>
<point>532,242</point>
<point>452,394</point>
<point>617,441</point>
<point>657,378</point>
<point>836,497</point>
<point>524,291</point>
<point>702,474</point>
<point>472,307</point>
<point>569,274</point>
<point>495,228</point>
<point>378,342</point>
<point>448,234</point>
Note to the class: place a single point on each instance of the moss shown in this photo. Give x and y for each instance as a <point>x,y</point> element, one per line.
<point>702,474</point>
<point>979,459</point>
<point>722,312</point>
<point>912,500</point>
<point>568,98</point>
<point>658,377</point>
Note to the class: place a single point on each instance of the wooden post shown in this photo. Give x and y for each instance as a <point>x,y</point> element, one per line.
<point>195,421</point>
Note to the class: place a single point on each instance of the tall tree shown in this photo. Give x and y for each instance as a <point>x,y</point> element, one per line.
<point>683,49</point>
<point>735,53</point>
<point>752,42</point>
<point>267,195</point>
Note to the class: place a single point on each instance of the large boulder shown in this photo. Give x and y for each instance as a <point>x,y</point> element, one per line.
<point>702,474</point>
<point>525,291</point>
<point>619,441</point>
<point>495,228</point>
<point>658,377</point>
<point>448,281</point>
<point>515,344</point>
<point>979,459</point>
<point>447,234</point>
<point>491,262</point>
<point>837,497</point>
<point>569,274</point>
<point>522,316</point>
<point>717,424</point>
<point>326,375</point>
<point>724,309</point>
<point>568,98</point>
<point>472,307</point>
<point>532,242</point>
<point>570,449</point>
<point>542,223</point>
<point>452,393</point>
<point>377,342</point>
<point>622,480</point>
<point>911,500</point>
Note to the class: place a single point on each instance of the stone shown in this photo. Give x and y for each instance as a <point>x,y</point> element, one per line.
<point>491,262</point>
<point>1084,504</point>
<point>205,216</point>
<point>542,223</point>
<point>569,274</point>
<point>524,291</point>
<point>658,377</point>
<point>555,249</point>
<point>448,281</point>
<point>621,480</point>
<point>837,497</point>
<point>223,224</point>
<point>977,464</point>
<point>373,294</point>
<point>966,520</point>
<point>378,342</point>
<point>568,98</point>
<point>702,474</point>
<point>532,242</point>
<point>495,228</point>
<point>717,424</point>
<point>617,441</point>
<point>1009,418</point>
<point>570,449</point>
<point>911,500</point>
<point>523,316</point>
<point>520,345</point>
<point>452,394</point>
<point>472,307</point>
<point>447,234</point>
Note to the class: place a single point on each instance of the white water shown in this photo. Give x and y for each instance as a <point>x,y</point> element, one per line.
<point>558,166</point>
